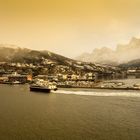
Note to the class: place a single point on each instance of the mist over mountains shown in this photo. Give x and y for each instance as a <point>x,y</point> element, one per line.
<point>127,54</point>
<point>122,53</point>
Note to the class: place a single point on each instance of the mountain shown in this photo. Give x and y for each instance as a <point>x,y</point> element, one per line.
<point>47,59</point>
<point>12,53</point>
<point>122,54</point>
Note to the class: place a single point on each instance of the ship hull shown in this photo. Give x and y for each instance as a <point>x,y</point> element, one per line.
<point>40,89</point>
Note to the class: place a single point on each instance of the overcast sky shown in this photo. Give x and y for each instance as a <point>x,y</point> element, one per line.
<point>68,27</point>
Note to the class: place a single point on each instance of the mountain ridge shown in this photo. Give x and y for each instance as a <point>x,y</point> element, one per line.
<point>122,54</point>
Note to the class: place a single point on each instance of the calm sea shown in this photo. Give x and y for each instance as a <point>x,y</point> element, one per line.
<point>68,114</point>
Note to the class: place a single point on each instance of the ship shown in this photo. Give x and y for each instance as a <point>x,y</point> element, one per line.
<point>43,86</point>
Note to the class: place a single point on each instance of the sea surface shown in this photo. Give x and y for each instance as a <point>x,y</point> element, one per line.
<point>68,114</point>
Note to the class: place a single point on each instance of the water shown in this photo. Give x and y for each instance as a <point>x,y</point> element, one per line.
<point>68,114</point>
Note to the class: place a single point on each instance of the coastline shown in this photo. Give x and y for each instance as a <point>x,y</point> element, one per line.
<point>126,84</point>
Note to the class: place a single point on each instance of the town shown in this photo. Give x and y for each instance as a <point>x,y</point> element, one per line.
<point>64,76</point>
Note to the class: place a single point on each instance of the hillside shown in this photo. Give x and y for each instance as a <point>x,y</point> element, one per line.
<point>24,55</point>
<point>46,59</point>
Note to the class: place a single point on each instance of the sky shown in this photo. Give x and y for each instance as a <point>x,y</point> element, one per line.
<point>68,27</point>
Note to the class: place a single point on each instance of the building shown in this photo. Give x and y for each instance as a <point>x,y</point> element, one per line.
<point>132,74</point>
<point>20,78</point>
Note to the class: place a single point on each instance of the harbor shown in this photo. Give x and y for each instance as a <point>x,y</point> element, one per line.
<point>71,74</point>
<point>45,84</point>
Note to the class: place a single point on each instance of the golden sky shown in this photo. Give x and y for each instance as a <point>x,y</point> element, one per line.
<point>68,27</point>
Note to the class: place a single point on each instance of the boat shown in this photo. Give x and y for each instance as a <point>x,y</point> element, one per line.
<point>43,86</point>
<point>136,86</point>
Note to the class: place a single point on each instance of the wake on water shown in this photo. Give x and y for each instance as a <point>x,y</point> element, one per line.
<point>127,93</point>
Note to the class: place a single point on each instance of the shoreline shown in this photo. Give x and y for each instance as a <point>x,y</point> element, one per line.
<point>84,87</point>
<point>127,88</point>
<point>120,84</point>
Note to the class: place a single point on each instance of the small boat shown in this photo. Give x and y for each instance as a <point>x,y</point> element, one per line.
<point>136,86</point>
<point>43,86</point>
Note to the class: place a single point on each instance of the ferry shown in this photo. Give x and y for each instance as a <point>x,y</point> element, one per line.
<point>43,86</point>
